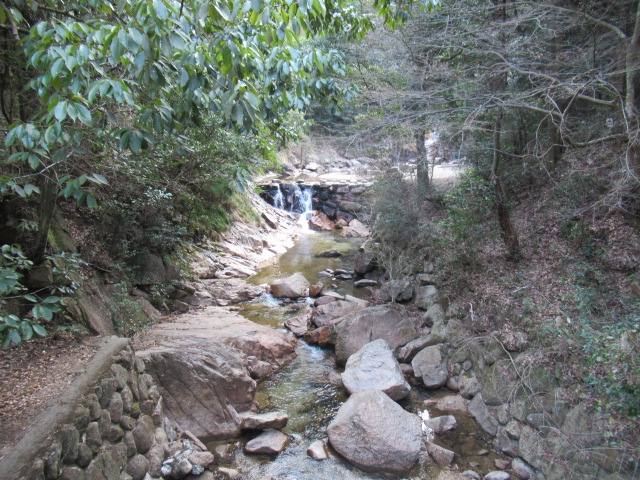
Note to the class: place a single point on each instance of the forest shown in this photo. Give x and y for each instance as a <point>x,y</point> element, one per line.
<point>143,124</point>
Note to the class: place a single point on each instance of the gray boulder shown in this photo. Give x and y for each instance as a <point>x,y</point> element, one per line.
<point>483,416</point>
<point>263,421</point>
<point>406,353</point>
<point>376,434</point>
<point>440,455</point>
<point>203,387</point>
<point>468,384</point>
<point>442,424</point>
<point>397,290</point>
<point>435,314</point>
<point>269,442</point>
<point>388,322</point>
<point>426,297</point>
<point>356,229</point>
<point>325,314</point>
<point>497,475</point>
<point>373,367</point>
<point>294,286</point>
<point>364,262</point>
<point>431,366</point>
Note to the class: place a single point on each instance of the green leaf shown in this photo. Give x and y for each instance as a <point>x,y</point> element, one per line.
<point>91,201</point>
<point>60,111</point>
<point>34,162</point>
<point>99,179</point>
<point>257,5</point>
<point>40,311</point>
<point>27,330</point>
<point>160,9</point>
<point>51,299</point>
<point>29,189</point>
<point>227,60</point>
<point>40,330</point>
<point>135,142</point>
<point>13,336</point>
<point>84,115</point>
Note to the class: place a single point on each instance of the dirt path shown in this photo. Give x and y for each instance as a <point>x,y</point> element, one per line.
<point>34,374</point>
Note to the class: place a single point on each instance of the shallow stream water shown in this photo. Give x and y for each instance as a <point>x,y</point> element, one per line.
<point>303,388</point>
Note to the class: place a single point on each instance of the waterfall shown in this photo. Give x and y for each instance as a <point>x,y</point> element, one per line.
<point>305,206</point>
<point>296,199</point>
<point>278,199</point>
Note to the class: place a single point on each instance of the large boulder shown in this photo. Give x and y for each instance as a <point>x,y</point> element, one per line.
<point>294,286</point>
<point>397,290</point>
<point>431,366</point>
<point>299,324</point>
<point>321,222</point>
<point>426,297</point>
<point>356,229</point>
<point>373,367</point>
<point>483,415</point>
<point>388,322</point>
<point>150,269</point>
<point>203,387</point>
<point>325,314</point>
<point>376,434</point>
<point>364,262</point>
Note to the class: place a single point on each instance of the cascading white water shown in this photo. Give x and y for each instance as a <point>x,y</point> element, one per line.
<point>305,206</point>
<point>278,199</point>
<point>300,200</point>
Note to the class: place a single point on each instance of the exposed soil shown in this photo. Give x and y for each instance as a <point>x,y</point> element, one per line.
<point>32,375</point>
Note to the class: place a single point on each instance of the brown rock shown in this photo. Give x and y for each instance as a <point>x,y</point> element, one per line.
<point>294,286</point>
<point>389,322</point>
<point>441,456</point>
<point>322,336</point>
<point>263,421</point>
<point>299,324</point>
<point>204,459</point>
<point>326,314</point>
<point>320,222</point>
<point>318,450</point>
<point>315,289</point>
<point>376,434</point>
<point>269,442</point>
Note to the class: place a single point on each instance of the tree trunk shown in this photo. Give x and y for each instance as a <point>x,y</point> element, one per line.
<point>632,80</point>
<point>47,208</point>
<point>422,173</point>
<point>509,234</point>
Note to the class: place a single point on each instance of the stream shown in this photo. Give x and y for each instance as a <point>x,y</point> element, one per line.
<point>305,391</point>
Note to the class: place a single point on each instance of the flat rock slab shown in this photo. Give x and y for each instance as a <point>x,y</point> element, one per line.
<point>365,282</point>
<point>268,442</point>
<point>263,421</point>
<point>373,367</point>
<point>376,434</point>
<point>221,325</point>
